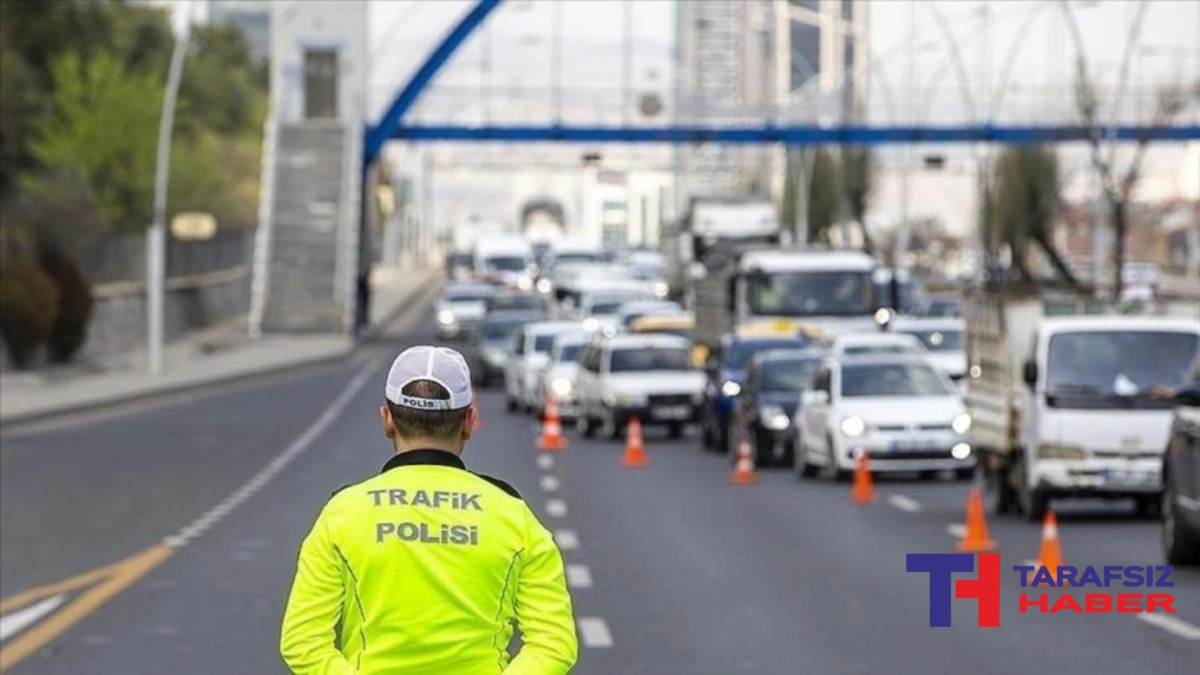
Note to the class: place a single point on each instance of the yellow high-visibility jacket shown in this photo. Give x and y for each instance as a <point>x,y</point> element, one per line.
<point>423,569</point>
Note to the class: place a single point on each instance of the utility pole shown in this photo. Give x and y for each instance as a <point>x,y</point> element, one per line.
<point>156,236</point>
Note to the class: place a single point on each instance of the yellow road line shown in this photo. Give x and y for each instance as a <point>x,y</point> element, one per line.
<point>116,578</point>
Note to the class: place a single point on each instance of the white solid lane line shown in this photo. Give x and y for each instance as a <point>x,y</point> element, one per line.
<point>594,632</point>
<point>268,472</point>
<point>957,530</point>
<point>1172,625</point>
<point>545,462</point>
<point>556,508</point>
<point>567,540</point>
<point>907,504</point>
<point>15,622</point>
<point>549,483</point>
<point>579,576</point>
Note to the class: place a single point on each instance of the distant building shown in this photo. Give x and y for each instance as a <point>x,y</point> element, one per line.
<point>252,17</point>
<point>747,62</point>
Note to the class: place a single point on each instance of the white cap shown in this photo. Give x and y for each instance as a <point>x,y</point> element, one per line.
<point>436,364</point>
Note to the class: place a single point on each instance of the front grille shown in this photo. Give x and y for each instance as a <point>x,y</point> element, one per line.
<point>891,427</point>
<point>935,427</point>
<point>669,399</point>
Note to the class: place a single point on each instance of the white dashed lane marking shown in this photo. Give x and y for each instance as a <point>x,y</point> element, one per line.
<point>594,632</point>
<point>579,576</point>
<point>956,530</point>
<point>549,483</point>
<point>545,462</point>
<point>567,540</point>
<point>907,504</point>
<point>1174,626</point>
<point>556,508</point>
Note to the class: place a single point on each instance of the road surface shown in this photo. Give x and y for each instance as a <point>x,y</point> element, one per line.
<point>673,569</point>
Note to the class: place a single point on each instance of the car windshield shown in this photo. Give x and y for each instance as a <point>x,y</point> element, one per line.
<point>891,379</point>
<point>506,263</point>
<point>827,293</point>
<point>791,375</point>
<point>951,307</point>
<point>496,331</point>
<point>949,340</point>
<point>1117,369</point>
<point>515,302</point>
<point>739,354</point>
<point>882,348</point>
<point>650,358</point>
<point>569,353</point>
<point>579,257</point>
<point>543,343</point>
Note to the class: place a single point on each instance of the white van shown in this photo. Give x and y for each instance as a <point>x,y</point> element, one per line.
<point>504,259</point>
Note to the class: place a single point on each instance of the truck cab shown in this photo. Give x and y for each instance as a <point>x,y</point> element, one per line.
<point>1073,406</point>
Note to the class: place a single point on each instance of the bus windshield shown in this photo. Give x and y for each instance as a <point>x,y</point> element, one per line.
<point>819,293</point>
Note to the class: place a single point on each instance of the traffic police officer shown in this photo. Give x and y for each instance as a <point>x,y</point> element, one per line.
<point>425,567</point>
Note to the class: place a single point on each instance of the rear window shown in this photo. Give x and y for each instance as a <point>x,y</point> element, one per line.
<point>860,350</point>
<point>791,375</point>
<point>569,353</point>
<point>939,340</point>
<point>741,352</point>
<point>649,358</point>
<point>543,343</point>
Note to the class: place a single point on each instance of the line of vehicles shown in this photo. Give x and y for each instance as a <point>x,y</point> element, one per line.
<point>817,356</point>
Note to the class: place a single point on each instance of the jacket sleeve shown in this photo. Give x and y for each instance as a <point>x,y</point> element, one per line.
<point>314,608</point>
<point>543,608</point>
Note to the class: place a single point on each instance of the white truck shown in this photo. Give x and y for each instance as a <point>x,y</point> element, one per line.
<point>504,259</point>
<point>1070,406</point>
<point>820,292</point>
<point>711,227</point>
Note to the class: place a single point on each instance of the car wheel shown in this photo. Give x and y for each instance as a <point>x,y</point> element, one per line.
<point>722,438</point>
<point>585,425</point>
<point>675,431</point>
<point>1147,506</point>
<point>762,448</point>
<point>1181,546</point>
<point>1034,503</point>
<point>998,485</point>
<point>706,435</point>
<point>609,428</point>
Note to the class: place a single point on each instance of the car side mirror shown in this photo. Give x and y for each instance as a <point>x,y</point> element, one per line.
<point>1188,395</point>
<point>1030,373</point>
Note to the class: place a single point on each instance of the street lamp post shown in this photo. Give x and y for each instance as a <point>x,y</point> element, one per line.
<point>156,236</point>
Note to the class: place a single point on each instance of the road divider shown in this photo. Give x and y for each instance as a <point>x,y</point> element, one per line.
<point>863,491</point>
<point>743,468</point>
<point>975,539</point>
<point>552,437</point>
<point>635,456</point>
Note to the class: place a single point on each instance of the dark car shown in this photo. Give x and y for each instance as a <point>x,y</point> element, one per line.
<point>1181,478</point>
<point>726,370</point>
<point>490,345</point>
<point>768,402</point>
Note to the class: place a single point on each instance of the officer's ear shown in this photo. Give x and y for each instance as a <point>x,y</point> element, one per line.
<point>389,425</point>
<point>470,422</point>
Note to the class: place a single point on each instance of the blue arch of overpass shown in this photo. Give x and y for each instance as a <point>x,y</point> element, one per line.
<point>391,124</point>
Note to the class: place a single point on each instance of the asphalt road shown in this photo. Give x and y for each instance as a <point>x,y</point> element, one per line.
<point>674,570</point>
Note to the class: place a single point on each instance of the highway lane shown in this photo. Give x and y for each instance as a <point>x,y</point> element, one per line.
<point>685,573</point>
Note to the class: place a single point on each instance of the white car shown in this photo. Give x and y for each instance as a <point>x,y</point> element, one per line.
<point>599,305</point>
<point>559,375</point>
<point>864,344</point>
<point>530,353</point>
<point>942,338</point>
<point>461,308</point>
<point>648,376</point>
<point>632,311</point>
<point>901,410</point>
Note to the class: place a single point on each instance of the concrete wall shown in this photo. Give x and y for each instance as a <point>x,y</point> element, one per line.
<point>297,25</point>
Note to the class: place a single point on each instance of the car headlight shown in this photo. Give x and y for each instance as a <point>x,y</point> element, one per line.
<point>561,386</point>
<point>774,418</point>
<point>853,426</point>
<point>960,451</point>
<point>525,283</point>
<point>961,424</point>
<point>731,388</point>
<point>590,324</point>
<point>1059,451</point>
<point>544,286</point>
<point>494,357</point>
<point>445,317</point>
<point>661,289</point>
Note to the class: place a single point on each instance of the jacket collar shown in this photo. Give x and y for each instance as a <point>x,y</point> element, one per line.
<point>424,456</point>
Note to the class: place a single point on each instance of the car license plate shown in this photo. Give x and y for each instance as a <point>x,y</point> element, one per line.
<point>672,412</point>
<point>903,445</point>
<point>1127,477</point>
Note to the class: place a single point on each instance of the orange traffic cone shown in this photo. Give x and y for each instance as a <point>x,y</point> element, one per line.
<point>1050,555</point>
<point>743,469</point>
<point>635,452</point>
<point>552,436</point>
<point>976,539</point>
<point>863,491</point>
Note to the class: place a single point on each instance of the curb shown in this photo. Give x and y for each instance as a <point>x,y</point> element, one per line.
<point>420,294</point>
